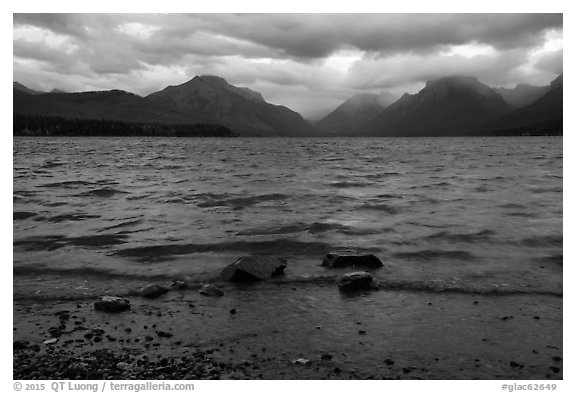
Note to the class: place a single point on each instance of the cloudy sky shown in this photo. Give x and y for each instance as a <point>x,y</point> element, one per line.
<point>308,62</point>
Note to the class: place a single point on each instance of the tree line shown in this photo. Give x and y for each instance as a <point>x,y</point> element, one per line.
<point>37,125</point>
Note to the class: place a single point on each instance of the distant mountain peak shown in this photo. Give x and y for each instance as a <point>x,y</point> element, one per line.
<point>454,78</point>
<point>239,108</point>
<point>445,106</point>
<point>354,112</point>
<point>211,79</point>
<point>459,82</point>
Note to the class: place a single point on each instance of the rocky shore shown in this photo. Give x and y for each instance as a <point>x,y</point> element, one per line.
<point>310,330</point>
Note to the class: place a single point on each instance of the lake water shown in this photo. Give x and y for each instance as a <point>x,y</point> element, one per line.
<point>469,215</point>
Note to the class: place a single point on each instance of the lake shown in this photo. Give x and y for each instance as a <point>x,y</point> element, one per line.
<point>460,218</point>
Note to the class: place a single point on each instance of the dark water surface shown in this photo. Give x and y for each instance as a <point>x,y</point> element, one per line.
<point>446,215</point>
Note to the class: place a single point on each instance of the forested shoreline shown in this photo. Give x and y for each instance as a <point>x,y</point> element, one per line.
<point>37,125</point>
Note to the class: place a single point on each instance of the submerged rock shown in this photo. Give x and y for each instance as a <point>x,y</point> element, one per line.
<point>112,304</point>
<point>351,259</point>
<point>355,280</point>
<point>179,284</point>
<point>211,290</point>
<point>253,268</point>
<point>153,290</point>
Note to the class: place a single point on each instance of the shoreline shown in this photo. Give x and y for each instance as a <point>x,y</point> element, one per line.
<point>307,331</point>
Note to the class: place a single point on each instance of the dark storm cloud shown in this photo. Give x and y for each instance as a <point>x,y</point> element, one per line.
<point>318,35</point>
<point>307,61</point>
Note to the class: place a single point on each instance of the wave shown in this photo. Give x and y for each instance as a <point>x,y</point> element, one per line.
<point>381,175</point>
<point>68,217</point>
<point>39,270</point>
<point>54,242</point>
<point>105,192</point>
<point>547,189</point>
<point>439,287</point>
<point>22,215</point>
<point>72,184</point>
<point>281,247</point>
<point>53,164</point>
<point>435,254</point>
<point>194,282</point>
<point>349,184</point>
<point>543,241</point>
<point>314,228</point>
<point>482,236</point>
<point>121,225</point>
<point>236,202</point>
<point>380,207</point>
<point>557,259</point>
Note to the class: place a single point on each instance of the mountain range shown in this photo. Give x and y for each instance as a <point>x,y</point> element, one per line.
<point>353,113</point>
<point>448,106</point>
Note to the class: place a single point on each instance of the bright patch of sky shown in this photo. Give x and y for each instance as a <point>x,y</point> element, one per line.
<point>138,30</point>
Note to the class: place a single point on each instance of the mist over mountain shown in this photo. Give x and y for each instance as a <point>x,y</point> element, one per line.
<point>543,116</point>
<point>20,87</point>
<point>522,95</point>
<point>453,105</point>
<point>445,106</point>
<point>354,112</point>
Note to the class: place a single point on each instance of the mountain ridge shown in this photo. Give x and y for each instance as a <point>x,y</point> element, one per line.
<point>354,112</point>
<point>239,108</point>
<point>445,106</point>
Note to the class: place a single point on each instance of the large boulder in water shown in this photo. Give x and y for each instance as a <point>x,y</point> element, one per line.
<point>112,304</point>
<point>355,281</point>
<point>253,268</point>
<point>153,290</point>
<point>351,259</point>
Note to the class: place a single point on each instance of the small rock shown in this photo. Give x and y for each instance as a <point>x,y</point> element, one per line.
<point>389,362</point>
<point>326,356</point>
<point>514,364</point>
<point>351,259</point>
<point>355,280</point>
<point>51,341</point>
<point>555,370</point>
<point>112,304</point>
<point>160,333</point>
<point>211,290</point>
<point>506,318</point>
<point>178,284</point>
<point>123,366</point>
<point>361,331</point>
<point>55,332</point>
<point>233,311</point>
<point>302,362</point>
<point>153,291</point>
